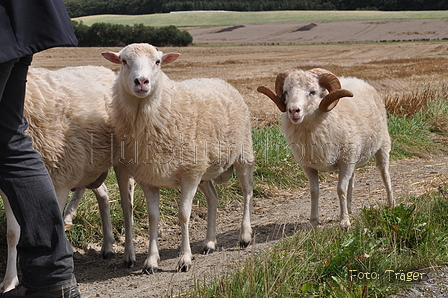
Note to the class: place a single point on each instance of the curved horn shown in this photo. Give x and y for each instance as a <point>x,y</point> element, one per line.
<point>271,94</point>
<point>277,96</point>
<point>330,82</point>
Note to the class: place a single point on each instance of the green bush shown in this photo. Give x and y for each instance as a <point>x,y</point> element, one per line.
<point>112,35</point>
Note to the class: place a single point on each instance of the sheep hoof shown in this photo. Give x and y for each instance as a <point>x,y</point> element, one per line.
<point>244,244</point>
<point>184,268</point>
<point>314,223</point>
<point>68,226</point>
<point>108,255</point>
<point>345,224</point>
<point>129,264</point>
<point>207,251</point>
<point>150,270</point>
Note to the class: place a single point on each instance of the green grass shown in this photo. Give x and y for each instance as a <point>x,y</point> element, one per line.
<point>276,166</point>
<point>384,251</point>
<point>411,136</point>
<point>202,19</point>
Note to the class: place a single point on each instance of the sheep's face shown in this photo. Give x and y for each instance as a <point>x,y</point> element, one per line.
<point>302,95</point>
<point>140,67</point>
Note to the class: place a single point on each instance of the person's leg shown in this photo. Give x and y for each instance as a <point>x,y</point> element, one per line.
<point>46,257</point>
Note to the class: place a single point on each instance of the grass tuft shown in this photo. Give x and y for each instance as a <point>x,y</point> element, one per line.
<point>417,127</point>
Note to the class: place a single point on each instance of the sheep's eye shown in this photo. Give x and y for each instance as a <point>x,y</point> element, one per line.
<point>158,62</point>
<point>124,62</point>
<point>284,96</point>
<point>312,92</point>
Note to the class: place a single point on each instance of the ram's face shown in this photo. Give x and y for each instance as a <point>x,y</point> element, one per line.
<point>302,95</point>
<point>141,66</point>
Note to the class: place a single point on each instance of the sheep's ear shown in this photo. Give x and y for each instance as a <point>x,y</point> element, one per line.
<point>112,57</point>
<point>169,57</point>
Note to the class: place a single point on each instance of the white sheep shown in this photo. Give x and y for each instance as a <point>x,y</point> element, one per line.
<point>171,134</point>
<point>325,135</point>
<point>68,115</point>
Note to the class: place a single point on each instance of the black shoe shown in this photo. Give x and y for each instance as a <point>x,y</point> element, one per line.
<point>21,291</point>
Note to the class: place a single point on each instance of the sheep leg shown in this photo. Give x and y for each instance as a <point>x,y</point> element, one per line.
<point>188,189</point>
<point>382,163</point>
<point>245,176</point>
<point>10,280</point>
<point>345,175</point>
<point>313,180</point>
<point>72,206</point>
<point>62,195</point>
<point>212,204</point>
<point>102,197</point>
<point>152,194</point>
<point>126,187</point>
<point>350,193</point>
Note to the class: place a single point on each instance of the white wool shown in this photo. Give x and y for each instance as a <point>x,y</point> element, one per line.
<point>342,139</point>
<point>171,134</point>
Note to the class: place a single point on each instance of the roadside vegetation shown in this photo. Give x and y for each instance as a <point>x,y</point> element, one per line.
<point>385,250</point>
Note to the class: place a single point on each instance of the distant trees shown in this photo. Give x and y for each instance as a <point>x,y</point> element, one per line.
<point>111,35</point>
<point>78,8</point>
<point>245,5</point>
<point>391,5</point>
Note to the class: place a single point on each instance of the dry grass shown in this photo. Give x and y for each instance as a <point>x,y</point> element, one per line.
<point>415,99</point>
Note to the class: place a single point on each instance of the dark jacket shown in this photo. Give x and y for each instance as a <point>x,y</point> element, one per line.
<point>30,26</point>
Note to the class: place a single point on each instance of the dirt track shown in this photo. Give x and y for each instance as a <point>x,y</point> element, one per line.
<point>272,219</point>
<point>386,65</point>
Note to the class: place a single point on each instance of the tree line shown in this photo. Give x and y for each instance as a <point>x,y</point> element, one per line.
<point>77,8</point>
<point>113,35</point>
